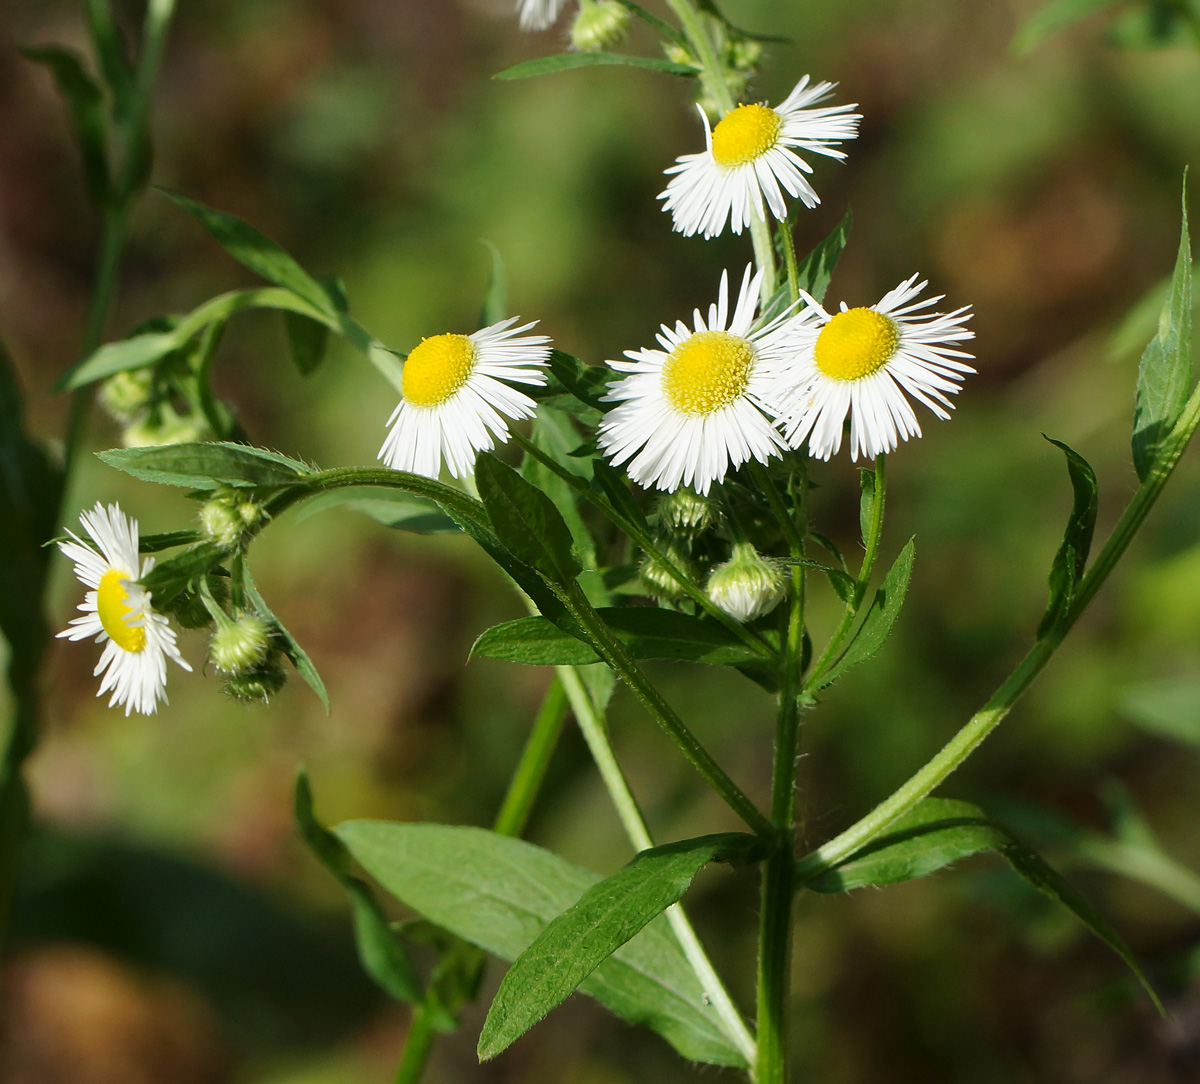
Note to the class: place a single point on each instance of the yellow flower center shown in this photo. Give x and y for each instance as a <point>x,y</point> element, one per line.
<point>744,133</point>
<point>707,371</point>
<point>437,368</point>
<point>112,604</point>
<point>856,343</point>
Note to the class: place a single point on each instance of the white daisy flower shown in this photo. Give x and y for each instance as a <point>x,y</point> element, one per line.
<point>117,612</point>
<point>750,158</point>
<point>866,362</point>
<point>455,399</point>
<point>538,14</point>
<point>697,407</point>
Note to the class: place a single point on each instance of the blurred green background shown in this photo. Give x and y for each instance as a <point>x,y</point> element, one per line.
<point>171,926</point>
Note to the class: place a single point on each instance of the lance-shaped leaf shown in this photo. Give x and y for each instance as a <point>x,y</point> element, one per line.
<point>1165,373</point>
<point>1071,558</point>
<point>291,646</point>
<point>526,521</point>
<point>563,61</point>
<point>877,625</point>
<point>207,466</point>
<point>379,949</point>
<point>938,832</point>
<point>86,107</point>
<point>646,631</point>
<point>258,253</point>
<point>500,893</point>
<point>607,915</point>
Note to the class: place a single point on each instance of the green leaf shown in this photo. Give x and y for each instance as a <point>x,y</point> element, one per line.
<point>495,303</point>
<point>606,916</point>
<point>207,466</point>
<point>614,484</point>
<point>877,625</point>
<point>146,348</point>
<point>1165,374</point>
<point>153,543</point>
<point>393,508</point>
<point>169,579</point>
<point>379,949</point>
<point>1072,555</point>
<point>563,61</point>
<point>1052,18</point>
<point>526,521</point>
<point>554,434</point>
<point>866,503</point>
<point>1170,708</point>
<point>646,631</point>
<point>587,383</point>
<point>308,340</point>
<point>291,647</point>
<point>500,893</point>
<point>938,832</point>
<point>85,104</point>
<point>816,269</point>
<point>260,254</point>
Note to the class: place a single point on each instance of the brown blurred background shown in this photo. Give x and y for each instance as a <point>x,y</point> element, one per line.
<point>171,926</point>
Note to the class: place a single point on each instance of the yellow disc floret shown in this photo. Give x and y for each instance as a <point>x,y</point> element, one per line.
<point>707,371</point>
<point>856,343</point>
<point>112,606</point>
<point>437,368</point>
<point>744,133</point>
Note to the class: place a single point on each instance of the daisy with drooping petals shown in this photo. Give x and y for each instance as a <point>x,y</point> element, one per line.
<point>538,14</point>
<point>697,407</point>
<point>117,611</point>
<point>866,362</point>
<point>455,397</point>
<point>751,159</point>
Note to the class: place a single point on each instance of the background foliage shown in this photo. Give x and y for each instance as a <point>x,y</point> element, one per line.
<point>171,923</point>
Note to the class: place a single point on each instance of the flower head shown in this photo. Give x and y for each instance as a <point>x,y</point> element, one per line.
<point>117,611</point>
<point>538,14</point>
<point>751,159</point>
<point>867,362</point>
<point>698,406</point>
<point>455,396</point>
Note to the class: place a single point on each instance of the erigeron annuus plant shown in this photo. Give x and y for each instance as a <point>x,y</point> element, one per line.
<point>699,456</point>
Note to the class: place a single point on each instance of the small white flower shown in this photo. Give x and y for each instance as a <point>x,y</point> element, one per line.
<point>538,14</point>
<point>866,362</point>
<point>699,405</point>
<point>117,611</point>
<point>751,158</point>
<point>455,399</point>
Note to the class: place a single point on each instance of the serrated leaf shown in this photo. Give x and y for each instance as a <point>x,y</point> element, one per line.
<point>291,646</point>
<point>380,950</point>
<point>816,269</point>
<point>547,65</point>
<point>938,832</point>
<point>495,302</point>
<point>258,253</point>
<point>877,625</point>
<point>85,104</point>
<point>606,916</point>
<point>1165,373</point>
<point>646,631</point>
<point>526,521</point>
<point>500,893</point>
<point>396,509</point>
<point>1052,18</point>
<point>207,465</point>
<point>145,348</point>
<point>1071,558</point>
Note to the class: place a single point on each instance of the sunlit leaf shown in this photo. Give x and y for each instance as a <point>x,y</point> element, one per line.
<point>207,465</point>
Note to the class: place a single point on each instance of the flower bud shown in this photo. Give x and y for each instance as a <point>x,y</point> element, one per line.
<point>165,428</point>
<point>747,585</point>
<point>658,580</point>
<point>744,55</point>
<point>239,646</point>
<point>257,686</point>
<point>124,395</point>
<point>599,25</point>
<point>686,511</point>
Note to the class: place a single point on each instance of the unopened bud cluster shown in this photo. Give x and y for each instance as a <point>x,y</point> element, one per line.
<point>224,517</point>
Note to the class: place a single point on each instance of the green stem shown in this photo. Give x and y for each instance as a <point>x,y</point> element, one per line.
<point>713,74</point>
<point>862,582</point>
<point>595,733</point>
<point>789,259</point>
<point>535,759</point>
<point>764,254</point>
<point>417,1047</point>
<point>984,721</point>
